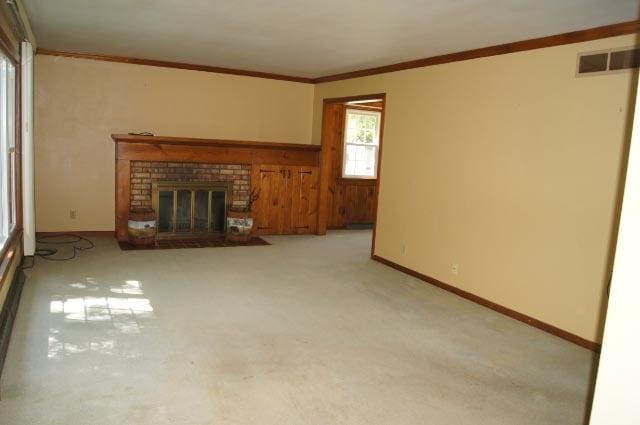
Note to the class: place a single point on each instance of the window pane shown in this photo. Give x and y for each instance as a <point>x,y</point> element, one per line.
<point>370,158</point>
<point>359,153</point>
<point>360,161</point>
<point>3,149</point>
<point>362,127</point>
<point>7,144</point>
<point>350,153</point>
<point>11,143</point>
<point>11,105</point>
<point>12,190</point>
<point>361,139</point>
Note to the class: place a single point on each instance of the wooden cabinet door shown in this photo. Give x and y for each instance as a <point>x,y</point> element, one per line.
<point>288,201</point>
<point>267,209</point>
<point>285,224</point>
<point>304,212</point>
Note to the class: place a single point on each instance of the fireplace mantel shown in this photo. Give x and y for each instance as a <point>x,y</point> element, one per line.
<point>188,141</point>
<point>130,148</point>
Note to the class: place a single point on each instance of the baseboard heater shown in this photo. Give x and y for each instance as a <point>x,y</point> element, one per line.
<point>8,314</point>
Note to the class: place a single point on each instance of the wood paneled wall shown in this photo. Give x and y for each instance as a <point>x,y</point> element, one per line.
<point>349,201</point>
<point>354,202</point>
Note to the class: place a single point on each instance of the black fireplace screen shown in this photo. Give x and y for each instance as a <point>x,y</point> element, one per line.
<point>195,208</point>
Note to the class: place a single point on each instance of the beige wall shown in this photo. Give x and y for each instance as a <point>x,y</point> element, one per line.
<point>79,103</point>
<point>513,162</point>
<point>513,167</point>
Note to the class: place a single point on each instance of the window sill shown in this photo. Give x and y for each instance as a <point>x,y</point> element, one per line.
<point>8,253</point>
<point>358,179</point>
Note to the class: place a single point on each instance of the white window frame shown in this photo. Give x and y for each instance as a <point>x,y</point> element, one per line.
<point>7,148</point>
<point>26,147</point>
<point>378,115</point>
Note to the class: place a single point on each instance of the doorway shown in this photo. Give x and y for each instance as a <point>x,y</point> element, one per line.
<point>352,135</point>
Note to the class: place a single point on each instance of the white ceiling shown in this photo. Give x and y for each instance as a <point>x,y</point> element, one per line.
<point>306,38</point>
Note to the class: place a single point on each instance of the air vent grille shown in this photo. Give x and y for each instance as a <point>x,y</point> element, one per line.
<point>608,61</point>
<point>625,59</point>
<point>593,63</point>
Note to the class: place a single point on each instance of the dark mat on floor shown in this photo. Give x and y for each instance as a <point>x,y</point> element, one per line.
<point>208,243</point>
<point>357,226</point>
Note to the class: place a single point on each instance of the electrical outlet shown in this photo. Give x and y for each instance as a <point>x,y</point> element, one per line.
<point>73,214</point>
<point>404,249</point>
<point>454,268</point>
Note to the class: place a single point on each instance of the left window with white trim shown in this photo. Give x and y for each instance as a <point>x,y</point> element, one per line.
<point>7,148</point>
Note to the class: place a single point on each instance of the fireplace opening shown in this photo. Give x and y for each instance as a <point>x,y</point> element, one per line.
<point>191,209</point>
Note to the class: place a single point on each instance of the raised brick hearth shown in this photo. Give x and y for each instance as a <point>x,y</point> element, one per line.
<point>144,172</point>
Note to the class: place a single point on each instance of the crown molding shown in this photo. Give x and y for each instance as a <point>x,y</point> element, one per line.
<point>178,65</point>
<point>590,34</point>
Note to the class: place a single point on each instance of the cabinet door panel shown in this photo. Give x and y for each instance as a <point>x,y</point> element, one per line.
<point>288,201</point>
<point>266,211</point>
<point>287,194</point>
<point>305,199</point>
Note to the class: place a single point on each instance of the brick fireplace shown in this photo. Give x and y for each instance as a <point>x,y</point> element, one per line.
<point>203,165</point>
<point>144,173</point>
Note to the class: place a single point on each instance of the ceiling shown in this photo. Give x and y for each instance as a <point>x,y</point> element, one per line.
<point>305,38</point>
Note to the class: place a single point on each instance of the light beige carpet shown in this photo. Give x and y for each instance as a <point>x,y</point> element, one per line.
<point>306,331</point>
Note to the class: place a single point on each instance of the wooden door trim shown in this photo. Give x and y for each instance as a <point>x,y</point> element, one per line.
<point>378,175</point>
<point>325,164</point>
<point>346,99</point>
<point>325,175</point>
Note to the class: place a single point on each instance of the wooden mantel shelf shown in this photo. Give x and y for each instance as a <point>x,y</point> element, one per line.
<point>187,141</point>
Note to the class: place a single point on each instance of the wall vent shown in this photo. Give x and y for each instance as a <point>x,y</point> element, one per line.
<point>608,61</point>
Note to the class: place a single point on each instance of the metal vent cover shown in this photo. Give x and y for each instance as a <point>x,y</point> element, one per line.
<point>608,61</point>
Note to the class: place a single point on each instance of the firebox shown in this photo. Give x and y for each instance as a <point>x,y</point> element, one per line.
<point>190,209</point>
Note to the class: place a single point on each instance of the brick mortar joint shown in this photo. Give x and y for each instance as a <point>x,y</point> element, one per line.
<point>142,173</point>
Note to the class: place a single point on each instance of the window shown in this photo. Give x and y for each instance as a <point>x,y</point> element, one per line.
<point>7,148</point>
<point>361,143</point>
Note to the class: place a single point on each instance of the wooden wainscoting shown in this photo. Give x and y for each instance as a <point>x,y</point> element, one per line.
<point>354,202</point>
